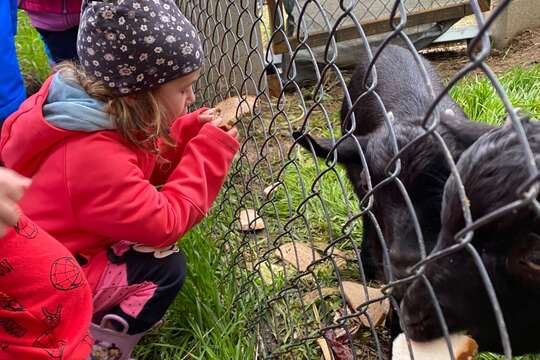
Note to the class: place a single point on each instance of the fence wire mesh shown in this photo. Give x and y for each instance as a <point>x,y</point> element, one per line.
<point>303,271</point>
<point>314,19</point>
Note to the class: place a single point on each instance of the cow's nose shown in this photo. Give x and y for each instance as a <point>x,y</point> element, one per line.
<point>413,315</point>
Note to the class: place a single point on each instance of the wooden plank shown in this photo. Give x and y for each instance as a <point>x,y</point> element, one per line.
<point>272,8</point>
<point>485,5</point>
<point>372,27</point>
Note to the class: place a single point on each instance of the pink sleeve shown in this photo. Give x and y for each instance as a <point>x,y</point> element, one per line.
<point>115,200</point>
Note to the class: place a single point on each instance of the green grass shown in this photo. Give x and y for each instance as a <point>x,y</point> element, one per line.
<point>204,322</point>
<point>479,100</point>
<point>208,321</point>
<point>31,52</point>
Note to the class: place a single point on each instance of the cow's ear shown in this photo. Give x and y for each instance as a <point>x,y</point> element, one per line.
<point>465,131</point>
<point>523,262</point>
<point>347,149</point>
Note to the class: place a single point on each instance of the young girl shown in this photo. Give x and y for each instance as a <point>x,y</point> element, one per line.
<point>45,301</point>
<point>97,139</point>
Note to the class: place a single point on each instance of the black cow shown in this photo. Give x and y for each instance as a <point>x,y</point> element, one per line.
<point>424,172</point>
<point>492,171</point>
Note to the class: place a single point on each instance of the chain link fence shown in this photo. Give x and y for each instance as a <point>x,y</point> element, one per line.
<point>317,18</point>
<point>291,226</point>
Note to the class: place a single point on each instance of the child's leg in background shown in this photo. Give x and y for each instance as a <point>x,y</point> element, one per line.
<point>45,301</point>
<point>60,45</point>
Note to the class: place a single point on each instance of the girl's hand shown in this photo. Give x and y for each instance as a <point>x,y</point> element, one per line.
<point>210,116</point>
<point>233,132</point>
<point>12,188</point>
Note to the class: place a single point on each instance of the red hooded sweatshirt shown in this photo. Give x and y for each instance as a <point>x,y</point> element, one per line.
<point>92,189</point>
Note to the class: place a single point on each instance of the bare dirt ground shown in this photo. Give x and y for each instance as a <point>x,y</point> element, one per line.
<point>523,51</point>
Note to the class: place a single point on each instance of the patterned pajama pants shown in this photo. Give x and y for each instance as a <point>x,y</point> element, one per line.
<point>139,284</point>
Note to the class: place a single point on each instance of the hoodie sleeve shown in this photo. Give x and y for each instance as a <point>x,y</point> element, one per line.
<point>183,130</point>
<point>111,197</point>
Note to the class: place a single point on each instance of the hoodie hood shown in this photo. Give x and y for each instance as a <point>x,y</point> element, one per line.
<point>59,110</point>
<point>69,107</point>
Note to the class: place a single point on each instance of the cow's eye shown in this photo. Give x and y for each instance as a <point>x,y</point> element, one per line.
<point>524,260</point>
<point>533,261</point>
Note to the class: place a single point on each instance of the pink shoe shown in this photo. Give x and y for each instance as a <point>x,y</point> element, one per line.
<point>111,344</point>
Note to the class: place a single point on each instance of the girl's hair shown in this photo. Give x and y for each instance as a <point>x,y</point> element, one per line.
<point>141,119</point>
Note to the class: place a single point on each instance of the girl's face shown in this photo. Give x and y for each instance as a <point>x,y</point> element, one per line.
<point>177,95</point>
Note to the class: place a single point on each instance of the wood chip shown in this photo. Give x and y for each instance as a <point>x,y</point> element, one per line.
<point>314,295</point>
<point>227,109</point>
<point>355,296</point>
<point>327,353</point>
<point>299,255</point>
<point>250,220</point>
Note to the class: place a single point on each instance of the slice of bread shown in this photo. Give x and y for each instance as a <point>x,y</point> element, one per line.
<point>464,347</point>
<point>230,107</point>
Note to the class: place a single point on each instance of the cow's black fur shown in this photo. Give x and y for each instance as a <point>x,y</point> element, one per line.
<point>403,91</point>
<point>492,170</point>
